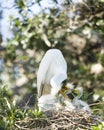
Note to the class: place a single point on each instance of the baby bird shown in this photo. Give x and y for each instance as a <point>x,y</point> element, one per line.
<point>77,102</point>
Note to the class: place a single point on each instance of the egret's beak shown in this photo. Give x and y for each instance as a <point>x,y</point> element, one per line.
<point>76,91</point>
<point>67,87</point>
<point>64,93</point>
<point>66,90</point>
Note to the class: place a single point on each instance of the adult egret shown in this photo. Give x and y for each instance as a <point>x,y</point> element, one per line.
<point>52,72</point>
<point>77,102</point>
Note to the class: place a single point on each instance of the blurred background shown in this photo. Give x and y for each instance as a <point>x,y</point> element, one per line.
<point>28,28</point>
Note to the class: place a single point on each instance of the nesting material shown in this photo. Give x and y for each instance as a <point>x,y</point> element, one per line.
<point>59,120</point>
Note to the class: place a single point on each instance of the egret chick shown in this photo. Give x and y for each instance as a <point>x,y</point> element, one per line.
<point>69,105</point>
<point>63,97</point>
<point>77,102</point>
<point>66,89</point>
<point>52,72</point>
<point>48,102</point>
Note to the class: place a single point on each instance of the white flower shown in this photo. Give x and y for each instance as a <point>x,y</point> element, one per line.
<point>96,68</point>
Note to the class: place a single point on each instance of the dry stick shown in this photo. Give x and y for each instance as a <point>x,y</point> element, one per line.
<point>78,116</point>
<point>28,101</point>
<point>73,123</point>
<point>19,127</point>
<point>44,119</point>
<point>21,122</point>
<point>93,104</point>
<point>80,125</point>
<point>64,117</point>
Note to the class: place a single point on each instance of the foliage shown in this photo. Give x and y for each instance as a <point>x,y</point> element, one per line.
<point>99,127</point>
<point>12,116</point>
<point>75,28</point>
<point>9,112</point>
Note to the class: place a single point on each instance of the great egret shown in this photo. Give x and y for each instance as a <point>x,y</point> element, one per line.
<point>77,102</point>
<point>52,72</point>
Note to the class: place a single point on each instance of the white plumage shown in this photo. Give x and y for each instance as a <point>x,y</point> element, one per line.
<point>48,102</point>
<point>78,103</point>
<point>52,72</point>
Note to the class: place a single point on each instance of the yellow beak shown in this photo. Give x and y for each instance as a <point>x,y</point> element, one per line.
<point>65,90</point>
<point>75,91</point>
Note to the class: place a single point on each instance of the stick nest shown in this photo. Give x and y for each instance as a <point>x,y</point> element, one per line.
<point>59,120</point>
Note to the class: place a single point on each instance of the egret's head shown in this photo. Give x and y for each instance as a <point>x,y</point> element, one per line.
<point>66,88</point>
<point>78,91</point>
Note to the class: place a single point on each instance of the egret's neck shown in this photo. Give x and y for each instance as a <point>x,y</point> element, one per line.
<point>56,83</point>
<point>80,95</point>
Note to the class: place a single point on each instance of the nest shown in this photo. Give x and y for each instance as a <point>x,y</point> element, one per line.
<point>59,120</point>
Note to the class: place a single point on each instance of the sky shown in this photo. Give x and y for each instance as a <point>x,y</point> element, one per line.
<point>8,9</point>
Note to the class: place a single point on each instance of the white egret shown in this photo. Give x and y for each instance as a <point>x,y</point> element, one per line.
<point>77,102</point>
<point>52,72</point>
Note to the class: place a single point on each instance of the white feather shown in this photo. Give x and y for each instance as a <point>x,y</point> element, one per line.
<point>78,103</point>
<point>52,71</point>
<point>48,102</point>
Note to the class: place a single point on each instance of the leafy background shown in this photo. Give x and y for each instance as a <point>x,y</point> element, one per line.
<point>76,28</point>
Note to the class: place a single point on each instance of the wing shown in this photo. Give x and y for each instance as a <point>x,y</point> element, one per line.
<point>56,82</point>
<point>41,75</point>
<point>52,63</point>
